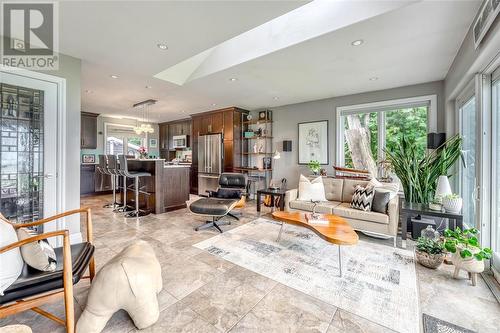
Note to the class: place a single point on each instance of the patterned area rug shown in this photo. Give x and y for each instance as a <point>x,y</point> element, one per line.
<point>435,325</point>
<point>378,282</point>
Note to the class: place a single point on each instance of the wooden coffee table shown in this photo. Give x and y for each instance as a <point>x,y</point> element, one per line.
<point>338,231</point>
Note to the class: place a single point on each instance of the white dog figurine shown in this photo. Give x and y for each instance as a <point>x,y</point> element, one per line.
<point>130,281</point>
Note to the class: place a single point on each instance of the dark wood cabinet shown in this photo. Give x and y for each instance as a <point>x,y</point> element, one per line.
<point>226,121</point>
<point>163,134</point>
<point>168,131</point>
<point>88,130</point>
<point>87,179</point>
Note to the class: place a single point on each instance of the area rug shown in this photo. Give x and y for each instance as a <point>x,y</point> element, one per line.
<point>435,325</point>
<point>378,281</point>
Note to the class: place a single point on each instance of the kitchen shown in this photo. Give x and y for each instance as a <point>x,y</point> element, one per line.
<point>175,143</point>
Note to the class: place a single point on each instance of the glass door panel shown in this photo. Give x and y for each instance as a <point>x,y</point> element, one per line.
<point>468,184</point>
<point>21,153</point>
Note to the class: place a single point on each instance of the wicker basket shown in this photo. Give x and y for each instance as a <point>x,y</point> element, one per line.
<point>429,260</point>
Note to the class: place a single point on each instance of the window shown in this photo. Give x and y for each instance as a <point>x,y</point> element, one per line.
<point>495,227</point>
<point>122,139</point>
<point>366,134</point>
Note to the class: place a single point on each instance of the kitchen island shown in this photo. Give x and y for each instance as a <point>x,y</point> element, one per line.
<point>167,189</point>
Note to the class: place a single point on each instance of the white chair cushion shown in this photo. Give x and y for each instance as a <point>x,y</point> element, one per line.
<point>39,255</point>
<point>11,261</point>
<point>311,190</point>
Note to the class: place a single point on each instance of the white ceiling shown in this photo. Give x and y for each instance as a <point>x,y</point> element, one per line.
<point>413,44</point>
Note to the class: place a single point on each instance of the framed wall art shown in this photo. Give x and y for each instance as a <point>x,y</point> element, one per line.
<point>313,142</point>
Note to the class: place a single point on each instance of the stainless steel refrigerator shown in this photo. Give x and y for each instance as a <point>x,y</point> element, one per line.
<point>210,157</point>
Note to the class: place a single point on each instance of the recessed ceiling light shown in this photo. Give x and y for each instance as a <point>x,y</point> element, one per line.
<point>162,46</point>
<point>114,76</point>
<point>148,87</point>
<point>214,104</point>
<point>357,42</point>
<point>233,79</point>
<point>183,111</point>
<point>88,91</point>
<point>373,78</point>
<point>276,98</point>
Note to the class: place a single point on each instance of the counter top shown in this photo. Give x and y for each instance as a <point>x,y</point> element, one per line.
<point>177,165</point>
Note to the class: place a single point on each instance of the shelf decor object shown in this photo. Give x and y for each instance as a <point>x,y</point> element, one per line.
<point>313,142</point>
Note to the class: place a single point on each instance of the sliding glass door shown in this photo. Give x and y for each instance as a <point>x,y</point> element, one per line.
<point>468,179</point>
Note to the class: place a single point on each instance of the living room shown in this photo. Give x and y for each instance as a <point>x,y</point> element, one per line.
<point>337,173</point>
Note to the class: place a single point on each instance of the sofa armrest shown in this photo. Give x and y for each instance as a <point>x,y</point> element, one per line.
<point>393,212</point>
<point>290,195</point>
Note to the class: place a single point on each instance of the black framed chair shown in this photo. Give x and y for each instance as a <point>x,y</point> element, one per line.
<point>230,194</point>
<point>34,288</point>
<point>123,167</point>
<point>114,169</point>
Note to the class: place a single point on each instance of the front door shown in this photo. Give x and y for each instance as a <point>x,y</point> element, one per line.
<point>28,147</point>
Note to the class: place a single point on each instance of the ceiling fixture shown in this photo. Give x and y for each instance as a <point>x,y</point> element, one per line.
<point>373,78</point>
<point>88,91</point>
<point>114,76</point>
<point>233,79</point>
<point>162,46</point>
<point>276,98</point>
<point>148,87</point>
<point>357,42</point>
<point>145,127</point>
<point>214,104</point>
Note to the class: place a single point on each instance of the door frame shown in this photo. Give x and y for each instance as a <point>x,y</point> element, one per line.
<point>60,83</point>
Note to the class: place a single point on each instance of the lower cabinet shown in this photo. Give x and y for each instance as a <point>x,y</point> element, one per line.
<point>87,178</point>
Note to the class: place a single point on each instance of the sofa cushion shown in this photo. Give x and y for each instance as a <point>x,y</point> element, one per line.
<point>333,188</point>
<point>323,207</point>
<point>345,210</point>
<point>349,187</point>
<point>311,189</point>
<point>362,198</point>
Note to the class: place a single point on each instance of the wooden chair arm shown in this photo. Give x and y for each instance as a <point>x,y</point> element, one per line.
<point>64,233</point>
<point>86,210</point>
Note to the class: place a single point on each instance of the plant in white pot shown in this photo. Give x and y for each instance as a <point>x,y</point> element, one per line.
<point>467,254</point>
<point>452,203</point>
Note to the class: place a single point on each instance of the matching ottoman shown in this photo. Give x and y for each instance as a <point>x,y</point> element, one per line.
<point>215,208</point>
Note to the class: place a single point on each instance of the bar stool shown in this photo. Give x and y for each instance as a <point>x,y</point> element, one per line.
<point>102,167</point>
<point>136,175</point>
<point>115,170</point>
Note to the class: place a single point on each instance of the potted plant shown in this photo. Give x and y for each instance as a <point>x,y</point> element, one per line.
<point>430,252</point>
<point>467,254</point>
<point>419,175</point>
<point>452,203</point>
<point>314,166</point>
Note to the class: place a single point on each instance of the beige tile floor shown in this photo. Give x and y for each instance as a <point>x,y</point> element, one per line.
<point>203,293</point>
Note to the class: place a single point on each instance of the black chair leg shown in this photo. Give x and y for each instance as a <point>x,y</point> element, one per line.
<point>233,216</point>
<point>216,223</point>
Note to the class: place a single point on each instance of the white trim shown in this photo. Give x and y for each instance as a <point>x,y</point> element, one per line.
<point>106,124</point>
<point>431,100</point>
<point>61,137</point>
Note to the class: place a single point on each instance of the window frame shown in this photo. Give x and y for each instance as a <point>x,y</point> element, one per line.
<point>125,143</point>
<point>380,107</point>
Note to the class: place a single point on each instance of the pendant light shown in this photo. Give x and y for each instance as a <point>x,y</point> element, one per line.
<point>145,127</point>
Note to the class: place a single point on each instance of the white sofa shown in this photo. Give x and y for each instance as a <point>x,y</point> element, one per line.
<point>339,193</point>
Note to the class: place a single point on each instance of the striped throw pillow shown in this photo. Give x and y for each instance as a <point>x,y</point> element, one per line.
<point>362,198</point>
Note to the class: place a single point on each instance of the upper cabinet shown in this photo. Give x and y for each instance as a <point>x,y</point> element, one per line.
<point>88,136</point>
<point>171,129</point>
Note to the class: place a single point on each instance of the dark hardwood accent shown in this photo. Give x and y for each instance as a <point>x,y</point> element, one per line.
<point>167,188</point>
<point>88,130</point>
<point>227,121</point>
<point>170,129</point>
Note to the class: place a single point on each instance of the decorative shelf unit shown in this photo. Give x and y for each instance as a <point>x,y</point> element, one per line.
<point>257,150</point>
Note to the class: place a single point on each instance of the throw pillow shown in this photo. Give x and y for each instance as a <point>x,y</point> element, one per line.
<point>380,201</point>
<point>311,190</point>
<point>11,262</point>
<point>39,255</point>
<point>362,198</point>
<point>391,188</point>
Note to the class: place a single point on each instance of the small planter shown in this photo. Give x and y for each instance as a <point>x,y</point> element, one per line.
<point>428,260</point>
<point>470,264</point>
<point>452,205</point>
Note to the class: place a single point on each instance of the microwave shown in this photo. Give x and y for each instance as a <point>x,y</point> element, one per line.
<point>180,141</point>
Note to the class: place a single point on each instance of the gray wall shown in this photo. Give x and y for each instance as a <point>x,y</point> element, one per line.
<point>287,117</point>
<point>70,69</point>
